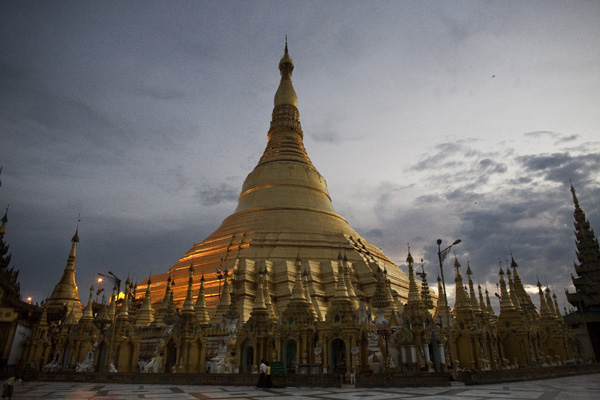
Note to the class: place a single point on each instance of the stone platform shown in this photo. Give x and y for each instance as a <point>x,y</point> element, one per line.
<point>581,387</point>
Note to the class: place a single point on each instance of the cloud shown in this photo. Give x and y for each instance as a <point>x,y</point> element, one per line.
<point>209,195</point>
<point>562,167</point>
<point>499,202</point>
<point>330,137</point>
<point>539,134</point>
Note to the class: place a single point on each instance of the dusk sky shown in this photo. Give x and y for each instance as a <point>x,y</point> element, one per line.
<point>427,119</point>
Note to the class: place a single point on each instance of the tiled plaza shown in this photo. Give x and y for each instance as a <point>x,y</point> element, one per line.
<point>578,387</point>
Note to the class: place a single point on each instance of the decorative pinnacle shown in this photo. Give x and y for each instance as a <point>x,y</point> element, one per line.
<point>574,195</point>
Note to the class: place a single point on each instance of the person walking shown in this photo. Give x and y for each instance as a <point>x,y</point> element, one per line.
<point>262,377</point>
<point>268,381</point>
<point>9,386</point>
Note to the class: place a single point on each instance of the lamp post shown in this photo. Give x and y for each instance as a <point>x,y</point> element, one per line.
<point>117,285</point>
<point>441,256</point>
<point>98,291</point>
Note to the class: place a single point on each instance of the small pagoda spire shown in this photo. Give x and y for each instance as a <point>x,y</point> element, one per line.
<point>201,309</point>
<point>387,287</point>
<point>312,308</point>
<point>488,304</point>
<point>512,291</point>
<point>224,301</point>
<point>88,312</point>
<point>414,296</point>
<point>267,294</point>
<point>549,301</point>
<point>233,312</point>
<point>442,308</point>
<point>506,303</point>
<point>298,290</point>
<point>145,316</point>
<point>341,290</point>
<point>348,280</point>
<point>188,304</point>
<point>112,308</point>
<point>482,302</point>
<point>380,301</point>
<point>462,298</point>
<point>472,295</point>
<point>164,309</point>
<point>545,311</point>
<point>259,301</point>
<point>425,292</point>
<point>43,322</point>
<point>556,308</point>
<point>124,310</point>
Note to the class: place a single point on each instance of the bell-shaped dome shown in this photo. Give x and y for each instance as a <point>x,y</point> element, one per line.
<point>284,209</point>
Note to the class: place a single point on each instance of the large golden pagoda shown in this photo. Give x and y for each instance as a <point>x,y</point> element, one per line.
<point>284,211</point>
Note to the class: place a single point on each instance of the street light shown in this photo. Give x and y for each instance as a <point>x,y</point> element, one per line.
<point>441,256</point>
<point>98,291</point>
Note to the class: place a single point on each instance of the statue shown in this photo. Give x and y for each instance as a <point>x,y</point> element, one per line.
<point>364,316</point>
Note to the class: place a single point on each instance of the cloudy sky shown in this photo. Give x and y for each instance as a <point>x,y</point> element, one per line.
<point>428,119</point>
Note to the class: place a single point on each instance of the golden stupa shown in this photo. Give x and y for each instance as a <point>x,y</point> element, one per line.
<point>284,212</point>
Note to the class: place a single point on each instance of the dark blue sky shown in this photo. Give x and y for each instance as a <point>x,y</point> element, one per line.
<point>428,119</point>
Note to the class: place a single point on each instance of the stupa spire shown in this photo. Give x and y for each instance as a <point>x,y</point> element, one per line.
<point>341,290</point>
<point>145,315</point>
<point>462,299</point>
<point>506,303</point>
<point>442,308</point>
<point>512,291</point>
<point>88,313</point>
<point>188,304</point>
<point>348,281</point>
<point>298,291</point>
<point>286,95</point>
<point>267,294</point>
<point>124,310</point>
<point>544,309</point>
<point>285,134</point>
<point>481,301</point>
<point>413,289</point>
<point>311,306</point>
<point>200,308</point>
<point>472,295</point>
<point>488,304</point>
<point>65,292</point>
<point>259,301</point>
<point>112,308</point>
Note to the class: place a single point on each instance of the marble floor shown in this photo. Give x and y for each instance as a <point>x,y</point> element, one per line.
<point>580,387</point>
